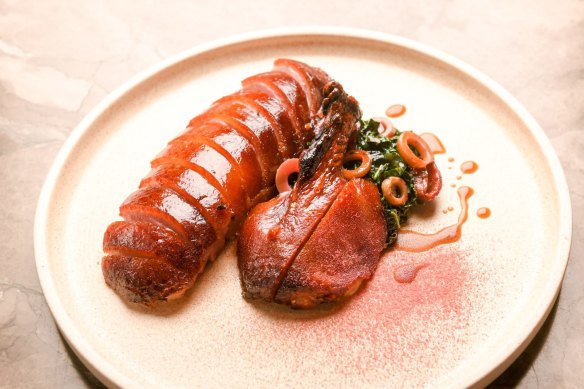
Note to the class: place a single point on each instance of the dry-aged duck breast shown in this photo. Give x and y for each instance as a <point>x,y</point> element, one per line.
<point>321,240</point>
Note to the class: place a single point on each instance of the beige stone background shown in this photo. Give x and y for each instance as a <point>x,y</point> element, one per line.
<point>59,58</point>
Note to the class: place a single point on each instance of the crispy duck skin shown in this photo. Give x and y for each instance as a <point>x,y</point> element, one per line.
<point>318,242</point>
<point>203,183</point>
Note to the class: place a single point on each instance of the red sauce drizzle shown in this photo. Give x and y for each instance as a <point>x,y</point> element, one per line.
<point>395,110</point>
<point>435,144</point>
<point>405,274</point>
<point>416,242</point>
<point>469,167</point>
<point>484,212</point>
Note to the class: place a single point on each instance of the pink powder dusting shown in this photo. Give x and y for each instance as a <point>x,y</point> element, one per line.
<point>387,326</point>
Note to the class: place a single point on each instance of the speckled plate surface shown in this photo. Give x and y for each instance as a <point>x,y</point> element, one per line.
<point>470,311</point>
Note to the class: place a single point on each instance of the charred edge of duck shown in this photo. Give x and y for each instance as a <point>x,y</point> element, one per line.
<point>327,124</point>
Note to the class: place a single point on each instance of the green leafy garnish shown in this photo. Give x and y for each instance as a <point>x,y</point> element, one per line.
<point>386,162</point>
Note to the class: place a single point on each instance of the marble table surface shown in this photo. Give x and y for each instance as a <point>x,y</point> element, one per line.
<point>59,58</point>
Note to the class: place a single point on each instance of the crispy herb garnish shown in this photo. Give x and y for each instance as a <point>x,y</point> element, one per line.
<point>387,162</point>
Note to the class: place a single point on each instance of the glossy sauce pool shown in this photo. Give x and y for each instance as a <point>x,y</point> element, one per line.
<point>412,241</point>
<point>469,167</point>
<point>483,212</point>
<point>406,274</point>
<point>395,110</point>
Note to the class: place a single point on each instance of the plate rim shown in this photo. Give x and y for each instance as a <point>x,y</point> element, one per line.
<point>107,373</point>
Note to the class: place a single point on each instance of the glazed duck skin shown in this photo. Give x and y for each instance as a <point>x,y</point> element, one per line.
<point>302,248</point>
<point>204,182</point>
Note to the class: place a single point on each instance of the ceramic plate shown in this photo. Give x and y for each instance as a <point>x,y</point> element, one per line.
<point>472,308</point>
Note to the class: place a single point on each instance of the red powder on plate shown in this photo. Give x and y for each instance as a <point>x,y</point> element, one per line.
<point>404,324</point>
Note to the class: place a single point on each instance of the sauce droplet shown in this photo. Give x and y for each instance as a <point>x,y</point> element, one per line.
<point>469,167</point>
<point>415,242</point>
<point>405,274</point>
<point>484,212</point>
<point>434,142</point>
<point>459,177</point>
<point>395,110</point>
<point>450,159</point>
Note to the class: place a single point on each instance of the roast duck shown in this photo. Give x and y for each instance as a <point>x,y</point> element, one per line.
<point>204,182</point>
<point>319,241</point>
<point>314,243</point>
